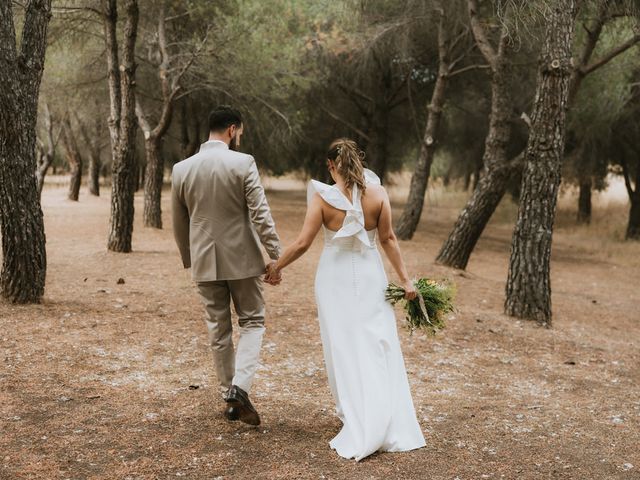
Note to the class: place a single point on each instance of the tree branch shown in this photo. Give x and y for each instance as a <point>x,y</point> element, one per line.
<point>610,55</point>
<point>467,68</point>
<point>142,120</point>
<point>189,62</point>
<point>593,34</point>
<point>461,57</point>
<point>397,103</point>
<point>63,9</point>
<point>170,87</point>
<point>275,110</point>
<point>397,90</point>
<point>166,86</point>
<point>594,31</point>
<point>480,35</point>
<point>352,90</point>
<point>463,33</point>
<point>348,124</point>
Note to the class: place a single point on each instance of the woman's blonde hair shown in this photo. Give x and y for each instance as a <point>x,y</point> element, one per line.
<point>348,159</point>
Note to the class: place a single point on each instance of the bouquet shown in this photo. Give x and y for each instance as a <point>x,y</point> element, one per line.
<point>427,311</point>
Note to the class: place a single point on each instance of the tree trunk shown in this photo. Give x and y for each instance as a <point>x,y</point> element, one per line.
<point>633,227</point>
<point>123,176</point>
<point>44,161</point>
<point>189,129</point>
<point>412,212</point>
<point>467,180</point>
<point>497,169</point>
<point>446,179</point>
<point>154,176</point>
<point>377,148</point>
<point>74,159</point>
<point>46,152</point>
<point>477,174</point>
<point>138,181</point>
<point>584,201</point>
<point>474,217</point>
<point>93,144</point>
<point>24,257</point>
<point>94,174</point>
<point>528,291</point>
<point>122,123</point>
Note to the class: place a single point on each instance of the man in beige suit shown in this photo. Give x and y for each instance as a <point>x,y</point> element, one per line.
<point>220,217</point>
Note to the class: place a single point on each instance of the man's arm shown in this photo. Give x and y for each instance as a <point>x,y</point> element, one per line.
<point>260,213</point>
<point>180,218</point>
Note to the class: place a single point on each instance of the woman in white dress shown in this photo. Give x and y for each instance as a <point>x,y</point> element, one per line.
<point>362,353</point>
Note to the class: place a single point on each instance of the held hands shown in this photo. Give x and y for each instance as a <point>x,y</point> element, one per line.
<point>272,275</point>
<point>410,290</point>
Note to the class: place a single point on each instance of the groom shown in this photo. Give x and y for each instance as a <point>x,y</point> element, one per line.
<point>219,213</point>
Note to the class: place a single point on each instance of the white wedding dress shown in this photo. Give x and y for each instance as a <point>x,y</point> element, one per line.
<point>362,353</point>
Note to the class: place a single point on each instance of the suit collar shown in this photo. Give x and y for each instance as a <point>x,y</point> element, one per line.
<point>214,144</point>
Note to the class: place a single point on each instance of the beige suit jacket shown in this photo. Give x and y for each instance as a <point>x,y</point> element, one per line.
<point>221,215</point>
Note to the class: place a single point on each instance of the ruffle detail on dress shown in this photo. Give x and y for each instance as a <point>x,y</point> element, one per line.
<point>353,225</point>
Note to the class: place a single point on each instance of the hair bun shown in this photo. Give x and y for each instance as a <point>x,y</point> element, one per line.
<point>348,158</point>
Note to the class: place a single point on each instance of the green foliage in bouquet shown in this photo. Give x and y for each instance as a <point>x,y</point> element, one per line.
<point>437,301</point>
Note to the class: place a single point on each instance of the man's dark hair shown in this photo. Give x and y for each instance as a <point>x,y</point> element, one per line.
<point>223,117</point>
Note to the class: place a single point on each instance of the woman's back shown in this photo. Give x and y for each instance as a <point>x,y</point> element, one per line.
<point>372,201</point>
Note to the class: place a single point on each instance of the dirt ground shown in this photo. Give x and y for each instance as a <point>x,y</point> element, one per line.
<point>115,381</point>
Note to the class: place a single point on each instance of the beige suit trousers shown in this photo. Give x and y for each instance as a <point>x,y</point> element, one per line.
<point>234,368</point>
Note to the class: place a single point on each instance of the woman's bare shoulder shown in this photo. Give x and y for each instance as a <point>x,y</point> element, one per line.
<point>376,191</point>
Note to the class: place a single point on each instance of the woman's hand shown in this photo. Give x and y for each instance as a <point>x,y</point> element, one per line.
<point>410,292</point>
<point>272,274</point>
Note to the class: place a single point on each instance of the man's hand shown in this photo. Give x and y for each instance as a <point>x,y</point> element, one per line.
<point>272,274</point>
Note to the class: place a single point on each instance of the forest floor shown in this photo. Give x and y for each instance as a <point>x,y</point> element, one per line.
<point>109,380</point>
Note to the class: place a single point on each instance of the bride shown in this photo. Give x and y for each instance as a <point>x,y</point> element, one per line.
<point>362,353</point>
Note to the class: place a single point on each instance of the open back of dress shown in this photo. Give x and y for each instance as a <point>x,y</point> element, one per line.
<point>362,352</point>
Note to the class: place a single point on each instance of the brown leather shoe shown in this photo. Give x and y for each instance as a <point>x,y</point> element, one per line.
<point>239,399</point>
<point>232,413</point>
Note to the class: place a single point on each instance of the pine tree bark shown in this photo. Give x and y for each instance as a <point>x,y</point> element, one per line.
<point>24,258</point>
<point>74,159</point>
<point>92,141</point>
<point>43,163</point>
<point>528,290</point>
<point>584,201</point>
<point>153,181</point>
<point>46,151</point>
<point>633,225</point>
<point>497,168</point>
<point>122,123</point>
<point>95,165</point>
<point>138,180</point>
<point>189,129</point>
<point>412,212</point>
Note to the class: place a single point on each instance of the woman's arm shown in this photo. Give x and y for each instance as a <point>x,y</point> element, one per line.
<point>389,243</point>
<point>310,228</point>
